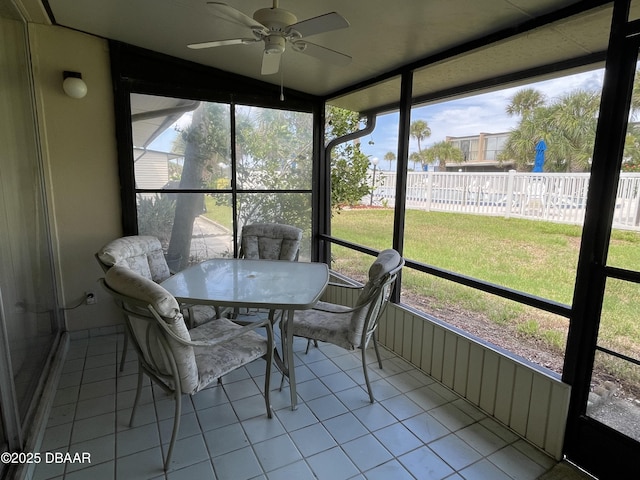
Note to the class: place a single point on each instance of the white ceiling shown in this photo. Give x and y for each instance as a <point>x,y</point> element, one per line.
<point>383,36</point>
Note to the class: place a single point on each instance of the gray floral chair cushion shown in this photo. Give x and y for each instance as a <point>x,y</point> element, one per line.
<point>327,322</point>
<point>215,363</point>
<point>143,254</point>
<point>270,241</point>
<point>180,360</point>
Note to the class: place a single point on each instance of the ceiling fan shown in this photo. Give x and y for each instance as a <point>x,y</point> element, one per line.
<point>277,26</point>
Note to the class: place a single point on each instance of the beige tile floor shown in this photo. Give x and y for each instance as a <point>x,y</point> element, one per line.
<point>417,429</point>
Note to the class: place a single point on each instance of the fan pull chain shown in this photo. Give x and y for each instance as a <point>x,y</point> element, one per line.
<point>281,83</point>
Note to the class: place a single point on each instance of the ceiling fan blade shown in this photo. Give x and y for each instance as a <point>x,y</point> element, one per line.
<point>270,63</point>
<point>323,23</point>
<point>322,53</point>
<point>225,11</point>
<point>220,43</point>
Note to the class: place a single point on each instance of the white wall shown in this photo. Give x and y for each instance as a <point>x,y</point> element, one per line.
<point>79,155</point>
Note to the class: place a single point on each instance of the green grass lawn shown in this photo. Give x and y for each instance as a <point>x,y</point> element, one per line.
<point>520,254</point>
<point>538,258</point>
<point>221,214</point>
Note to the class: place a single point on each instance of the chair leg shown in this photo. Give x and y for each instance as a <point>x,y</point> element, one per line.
<point>176,426</point>
<point>366,374</point>
<point>267,384</point>
<point>269,359</point>
<point>267,400</point>
<point>138,391</point>
<point>315,344</point>
<point>124,350</point>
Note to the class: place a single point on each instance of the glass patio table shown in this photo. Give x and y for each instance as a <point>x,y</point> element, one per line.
<point>262,284</point>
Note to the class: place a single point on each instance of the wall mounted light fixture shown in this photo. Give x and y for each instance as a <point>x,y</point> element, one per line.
<point>73,85</point>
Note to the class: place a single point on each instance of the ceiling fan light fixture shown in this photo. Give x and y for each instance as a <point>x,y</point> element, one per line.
<point>274,44</point>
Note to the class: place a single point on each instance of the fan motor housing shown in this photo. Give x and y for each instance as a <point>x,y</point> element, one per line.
<point>275,19</point>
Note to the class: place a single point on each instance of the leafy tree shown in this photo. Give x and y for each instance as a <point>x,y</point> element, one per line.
<point>215,140</point>
<point>273,148</point>
<point>349,166</point>
<point>631,160</point>
<point>274,152</point>
<point>204,141</point>
<point>572,131</point>
<point>156,214</point>
<point>175,171</point>
<point>567,125</point>
<point>445,152</point>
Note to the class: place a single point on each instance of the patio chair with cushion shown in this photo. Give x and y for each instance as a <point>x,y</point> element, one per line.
<point>352,328</point>
<point>182,361</point>
<point>144,255</point>
<point>270,241</point>
<point>267,241</point>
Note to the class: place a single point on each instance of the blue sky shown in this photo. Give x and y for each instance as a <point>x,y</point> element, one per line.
<point>469,116</point>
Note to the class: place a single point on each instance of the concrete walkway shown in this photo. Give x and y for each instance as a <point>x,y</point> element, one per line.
<point>210,240</point>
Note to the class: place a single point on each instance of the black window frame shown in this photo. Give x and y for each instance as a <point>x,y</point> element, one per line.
<point>136,70</point>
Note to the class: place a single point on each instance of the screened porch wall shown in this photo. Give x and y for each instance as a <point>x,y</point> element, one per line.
<point>528,401</point>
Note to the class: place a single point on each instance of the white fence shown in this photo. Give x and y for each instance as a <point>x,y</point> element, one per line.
<point>555,197</point>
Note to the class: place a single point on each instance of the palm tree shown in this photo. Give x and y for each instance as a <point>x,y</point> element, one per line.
<point>525,101</point>
<point>572,131</point>
<point>416,158</point>
<point>390,157</point>
<point>419,130</point>
<point>520,147</point>
<point>567,126</point>
<point>445,152</point>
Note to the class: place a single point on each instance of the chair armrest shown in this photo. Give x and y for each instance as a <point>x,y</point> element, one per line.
<point>219,312</point>
<point>345,285</point>
<point>342,310</point>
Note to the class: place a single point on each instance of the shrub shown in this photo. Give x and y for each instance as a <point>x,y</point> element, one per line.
<point>155,216</point>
